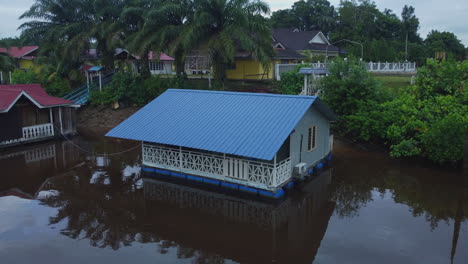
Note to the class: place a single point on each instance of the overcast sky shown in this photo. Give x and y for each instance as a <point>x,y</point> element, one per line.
<point>447,15</point>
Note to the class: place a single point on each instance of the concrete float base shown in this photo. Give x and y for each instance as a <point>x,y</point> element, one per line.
<point>232,187</point>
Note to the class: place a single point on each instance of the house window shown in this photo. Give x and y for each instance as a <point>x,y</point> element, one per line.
<point>312,138</point>
<point>156,65</point>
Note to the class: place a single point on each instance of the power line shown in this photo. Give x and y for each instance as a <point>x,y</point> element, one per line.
<point>94,153</point>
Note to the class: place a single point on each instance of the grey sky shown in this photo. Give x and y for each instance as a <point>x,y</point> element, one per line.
<point>447,15</point>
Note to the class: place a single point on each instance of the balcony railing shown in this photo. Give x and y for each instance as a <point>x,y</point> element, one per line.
<point>39,131</point>
<point>32,133</point>
<point>242,171</point>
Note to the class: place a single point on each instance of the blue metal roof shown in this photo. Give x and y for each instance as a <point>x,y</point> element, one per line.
<point>95,68</point>
<point>317,71</point>
<point>245,124</point>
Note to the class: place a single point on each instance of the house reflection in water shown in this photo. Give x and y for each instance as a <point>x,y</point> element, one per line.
<point>243,230</point>
<point>27,170</point>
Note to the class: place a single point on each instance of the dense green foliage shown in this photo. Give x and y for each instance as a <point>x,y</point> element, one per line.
<point>129,89</point>
<point>54,85</point>
<point>23,77</point>
<point>66,30</point>
<point>445,42</point>
<point>291,82</point>
<point>382,33</point>
<point>427,119</point>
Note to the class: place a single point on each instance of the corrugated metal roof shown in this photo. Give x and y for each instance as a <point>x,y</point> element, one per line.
<point>245,124</point>
<point>95,68</point>
<point>9,94</point>
<point>18,52</point>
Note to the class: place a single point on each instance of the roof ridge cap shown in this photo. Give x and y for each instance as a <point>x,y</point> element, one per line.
<point>243,93</point>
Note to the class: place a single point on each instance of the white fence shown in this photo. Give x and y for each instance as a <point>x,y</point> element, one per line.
<point>392,67</point>
<point>32,133</point>
<point>378,67</point>
<point>246,172</point>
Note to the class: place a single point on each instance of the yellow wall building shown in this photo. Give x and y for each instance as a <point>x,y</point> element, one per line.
<point>291,47</point>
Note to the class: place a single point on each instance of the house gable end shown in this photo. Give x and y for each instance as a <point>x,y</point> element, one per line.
<point>319,38</point>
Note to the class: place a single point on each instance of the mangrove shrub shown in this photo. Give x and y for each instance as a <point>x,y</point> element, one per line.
<point>427,119</point>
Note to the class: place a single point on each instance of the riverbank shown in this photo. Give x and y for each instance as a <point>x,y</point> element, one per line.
<point>98,120</point>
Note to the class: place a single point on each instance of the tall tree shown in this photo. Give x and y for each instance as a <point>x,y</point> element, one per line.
<point>283,19</point>
<point>167,27</point>
<point>437,41</point>
<point>307,15</point>
<point>60,26</point>
<point>225,26</point>
<point>410,24</point>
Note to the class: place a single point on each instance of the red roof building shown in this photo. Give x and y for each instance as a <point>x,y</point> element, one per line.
<point>20,52</point>
<point>28,113</point>
<point>9,94</point>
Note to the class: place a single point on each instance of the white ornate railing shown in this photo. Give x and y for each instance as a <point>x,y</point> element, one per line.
<point>392,67</point>
<point>380,67</point>
<point>39,131</point>
<point>32,133</point>
<point>283,171</point>
<point>251,173</point>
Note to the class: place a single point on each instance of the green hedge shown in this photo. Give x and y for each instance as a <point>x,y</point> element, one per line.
<point>427,119</point>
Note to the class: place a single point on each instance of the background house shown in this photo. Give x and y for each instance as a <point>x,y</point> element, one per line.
<point>159,63</point>
<point>24,56</point>
<point>291,46</point>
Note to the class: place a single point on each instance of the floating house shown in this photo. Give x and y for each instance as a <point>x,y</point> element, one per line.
<point>29,114</point>
<point>250,142</point>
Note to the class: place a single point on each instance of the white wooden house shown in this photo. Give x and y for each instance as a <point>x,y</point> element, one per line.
<point>245,141</point>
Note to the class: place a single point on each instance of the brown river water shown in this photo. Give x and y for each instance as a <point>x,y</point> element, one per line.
<point>62,204</point>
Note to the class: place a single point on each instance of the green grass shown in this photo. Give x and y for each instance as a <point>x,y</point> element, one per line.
<point>394,83</point>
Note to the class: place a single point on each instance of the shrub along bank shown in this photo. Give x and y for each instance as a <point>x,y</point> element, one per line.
<point>132,90</point>
<point>427,119</point>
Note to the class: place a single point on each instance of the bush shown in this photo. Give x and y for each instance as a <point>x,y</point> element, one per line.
<point>130,89</point>
<point>443,141</point>
<point>57,86</point>
<point>428,119</point>
<point>23,77</point>
<point>291,83</point>
<point>349,87</point>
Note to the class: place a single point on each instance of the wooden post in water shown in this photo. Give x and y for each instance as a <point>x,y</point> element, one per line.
<point>100,82</point>
<point>60,119</point>
<point>465,161</point>
<point>87,80</point>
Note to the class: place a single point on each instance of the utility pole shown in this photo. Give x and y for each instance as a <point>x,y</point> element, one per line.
<point>406,47</point>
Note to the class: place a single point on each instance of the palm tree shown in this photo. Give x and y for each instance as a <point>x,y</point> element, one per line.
<point>59,25</point>
<point>156,25</point>
<point>166,26</point>
<point>6,62</point>
<point>130,30</point>
<point>225,26</point>
<point>69,27</point>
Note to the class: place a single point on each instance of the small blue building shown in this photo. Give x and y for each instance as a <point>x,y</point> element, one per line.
<point>251,142</point>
